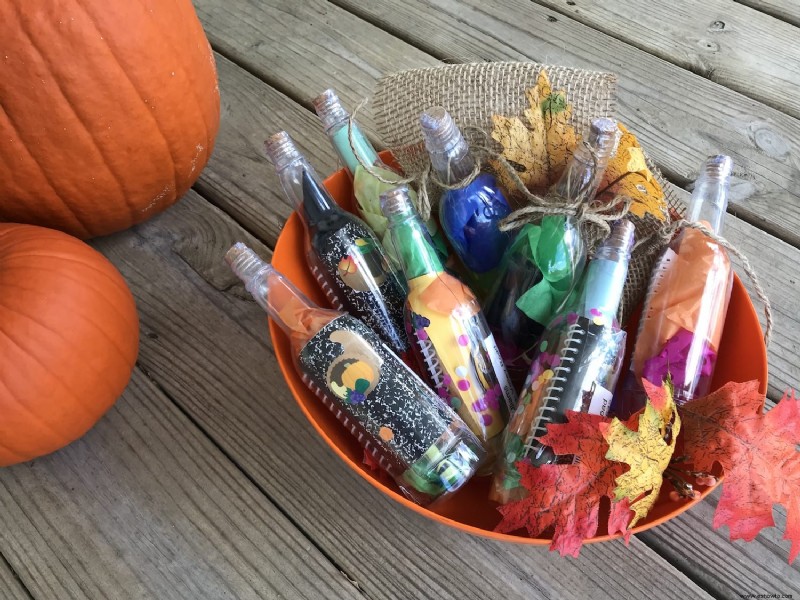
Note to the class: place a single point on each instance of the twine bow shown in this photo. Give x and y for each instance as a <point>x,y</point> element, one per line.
<point>667,233</point>
<point>599,215</point>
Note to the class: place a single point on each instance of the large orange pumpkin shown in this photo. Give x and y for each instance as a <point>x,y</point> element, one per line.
<point>69,336</point>
<point>108,110</point>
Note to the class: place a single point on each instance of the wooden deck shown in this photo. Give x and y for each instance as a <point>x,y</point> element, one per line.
<point>205,480</point>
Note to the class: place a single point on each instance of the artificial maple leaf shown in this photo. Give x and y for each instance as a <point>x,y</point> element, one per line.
<point>627,174</point>
<point>524,145</point>
<point>567,496</point>
<point>559,134</point>
<point>647,451</point>
<point>758,453</point>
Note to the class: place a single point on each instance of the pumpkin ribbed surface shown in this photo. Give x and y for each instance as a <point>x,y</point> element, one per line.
<point>108,110</point>
<point>69,336</point>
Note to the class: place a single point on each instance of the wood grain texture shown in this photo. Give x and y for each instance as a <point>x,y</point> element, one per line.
<point>144,506</point>
<point>210,351</point>
<point>302,48</point>
<point>10,586</point>
<point>239,178</point>
<point>787,10</point>
<point>734,45</point>
<point>241,181</point>
<point>679,117</point>
<point>778,268</point>
<point>728,568</point>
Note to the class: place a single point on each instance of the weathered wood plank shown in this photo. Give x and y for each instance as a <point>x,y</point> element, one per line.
<point>144,506</point>
<point>10,587</point>
<point>210,351</point>
<point>788,10</point>
<point>734,45</point>
<point>678,116</point>
<point>243,183</point>
<point>238,177</point>
<point>723,566</point>
<point>301,48</point>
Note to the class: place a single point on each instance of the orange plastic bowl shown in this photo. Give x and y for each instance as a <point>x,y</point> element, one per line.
<point>742,357</point>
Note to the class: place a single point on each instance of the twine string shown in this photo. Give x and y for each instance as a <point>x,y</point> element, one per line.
<point>600,215</point>
<point>669,231</point>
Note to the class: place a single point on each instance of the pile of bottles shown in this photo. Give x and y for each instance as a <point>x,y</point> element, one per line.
<point>451,345</point>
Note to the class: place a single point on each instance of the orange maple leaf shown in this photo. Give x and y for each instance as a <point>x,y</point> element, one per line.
<point>758,453</point>
<point>567,496</point>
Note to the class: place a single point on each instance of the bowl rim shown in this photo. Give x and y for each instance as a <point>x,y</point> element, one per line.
<point>287,370</point>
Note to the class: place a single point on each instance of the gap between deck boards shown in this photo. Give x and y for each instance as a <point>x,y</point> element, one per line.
<point>9,577</point>
<point>740,212</point>
<point>304,102</point>
<point>331,559</point>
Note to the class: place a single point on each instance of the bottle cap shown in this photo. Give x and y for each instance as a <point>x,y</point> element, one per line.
<point>602,136</point>
<point>439,131</point>
<point>329,109</point>
<point>281,149</point>
<point>396,201</point>
<point>244,262</point>
<point>719,166</point>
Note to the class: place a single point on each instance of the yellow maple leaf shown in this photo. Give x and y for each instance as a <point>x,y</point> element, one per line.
<point>627,174</point>
<point>559,134</point>
<point>523,145</point>
<point>647,451</point>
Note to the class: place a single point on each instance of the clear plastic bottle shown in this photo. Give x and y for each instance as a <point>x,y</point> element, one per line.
<point>470,215</point>
<point>686,303</point>
<point>545,261</point>
<point>406,428</point>
<point>346,136</point>
<point>451,340</point>
<point>343,253</point>
<point>576,364</point>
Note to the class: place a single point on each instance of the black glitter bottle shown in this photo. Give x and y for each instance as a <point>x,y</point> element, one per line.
<point>405,426</point>
<point>343,253</point>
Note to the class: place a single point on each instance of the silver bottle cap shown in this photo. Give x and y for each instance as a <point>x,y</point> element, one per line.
<point>281,149</point>
<point>396,202</point>
<point>329,109</point>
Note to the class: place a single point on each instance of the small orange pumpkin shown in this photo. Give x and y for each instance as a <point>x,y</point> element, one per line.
<point>69,336</point>
<point>108,111</point>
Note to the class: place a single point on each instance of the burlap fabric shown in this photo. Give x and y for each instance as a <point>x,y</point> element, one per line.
<point>472,93</point>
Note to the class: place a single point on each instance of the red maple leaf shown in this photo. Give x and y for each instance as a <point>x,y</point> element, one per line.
<point>758,453</point>
<point>567,496</point>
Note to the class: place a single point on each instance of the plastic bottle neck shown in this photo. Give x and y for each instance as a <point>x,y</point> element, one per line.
<point>449,152</point>
<point>296,315</point>
<point>410,237</point>
<point>299,181</point>
<point>348,140</point>
<point>584,172</point>
<point>605,275</point>
<point>710,195</point>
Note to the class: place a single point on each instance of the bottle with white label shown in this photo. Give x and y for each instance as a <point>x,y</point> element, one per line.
<point>576,365</point>
<point>447,330</point>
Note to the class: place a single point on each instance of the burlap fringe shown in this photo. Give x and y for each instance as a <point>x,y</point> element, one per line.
<point>472,93</point>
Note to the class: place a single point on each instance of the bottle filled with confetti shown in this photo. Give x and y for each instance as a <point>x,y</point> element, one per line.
<point>576,364</point>
<point>343,253</point>
<point>545,260</point>
<point>470,216</point>
<point>686,303</point>
<point>355,150</point>
<point>399,420</point>
<point>450,338</point>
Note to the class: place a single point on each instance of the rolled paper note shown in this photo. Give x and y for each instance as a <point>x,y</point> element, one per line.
<point>355,151</point>
<point>452,341</point>
<point>470,215</point>
<point>686,303</point>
